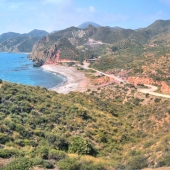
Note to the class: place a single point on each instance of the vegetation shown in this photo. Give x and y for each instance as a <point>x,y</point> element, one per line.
<point>81,131</point>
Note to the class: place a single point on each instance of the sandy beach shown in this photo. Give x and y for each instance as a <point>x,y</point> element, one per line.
<point>76,80</point>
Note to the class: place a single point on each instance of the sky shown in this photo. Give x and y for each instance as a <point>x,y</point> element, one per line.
<point>23,16</point>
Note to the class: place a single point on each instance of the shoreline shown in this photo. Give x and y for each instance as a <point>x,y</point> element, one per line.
<point>15,52</point>
<point>74,79</point>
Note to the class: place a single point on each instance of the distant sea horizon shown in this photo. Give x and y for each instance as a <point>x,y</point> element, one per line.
<point>18,68</point>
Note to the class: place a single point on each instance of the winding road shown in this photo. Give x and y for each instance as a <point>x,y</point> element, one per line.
<point>150,90</point>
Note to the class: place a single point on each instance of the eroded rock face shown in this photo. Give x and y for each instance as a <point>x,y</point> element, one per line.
<point>142,80</point>
<point>165,88</point>
<point>45,52</point>
<point>102,80</point>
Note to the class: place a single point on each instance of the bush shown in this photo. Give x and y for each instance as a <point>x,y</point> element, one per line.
<point>19,164</point>
<point>43,151</point>
<point>68,164</point>
<point>137,163</point>
<point>114,48</point>
<point>157,100</point>
<point>81,146</point>
<point>147,95</point>
<point>61,143</point>
<point>4,138</point>
<point>0,81</point>
<point>56,154</point>
<point>165,161</point>
<point>91,167</point>
<point>42,163</point>
<point>5,153</point>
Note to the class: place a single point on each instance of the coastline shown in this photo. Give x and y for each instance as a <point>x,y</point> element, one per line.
<point>75,80</point>
<point>15,52</point>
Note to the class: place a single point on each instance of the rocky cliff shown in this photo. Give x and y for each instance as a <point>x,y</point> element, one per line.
<point>63,43</point>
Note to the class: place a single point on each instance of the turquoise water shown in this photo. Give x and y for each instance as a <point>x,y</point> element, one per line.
<point>18,68</point>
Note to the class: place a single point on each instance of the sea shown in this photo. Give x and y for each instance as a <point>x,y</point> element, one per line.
<point>18,68</point>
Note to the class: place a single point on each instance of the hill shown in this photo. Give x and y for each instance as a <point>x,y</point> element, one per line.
<point>86,24</point>
<point>8,35</point>
<point>37,33</point>
<point>82,131</point>
<point>159,26</point>
<point>15,42</point>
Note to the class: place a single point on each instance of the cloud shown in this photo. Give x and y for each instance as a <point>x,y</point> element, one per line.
<point>92,9</point>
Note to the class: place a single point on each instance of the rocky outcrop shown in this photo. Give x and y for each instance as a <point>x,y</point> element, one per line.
<point>62,49</point>
<point>142,80</point>
<point>38,63</point>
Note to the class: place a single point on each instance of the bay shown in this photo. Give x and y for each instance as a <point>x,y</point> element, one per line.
<point>17,68</point>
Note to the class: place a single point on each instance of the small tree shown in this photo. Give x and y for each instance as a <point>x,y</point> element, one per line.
<point>114,48</point>
<point>81,146</point>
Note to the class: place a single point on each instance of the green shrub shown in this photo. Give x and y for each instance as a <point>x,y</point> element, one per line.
<point>137,163</point>
<point>61,143</point>
<point>85,166</point>
<point>4,138</point>
<point>43,151</point>
<point>165,161</point>
<point>19,164</point>
<point>42,163</point>
<point>148,144</point>
<point>157,100</point>
<point>114,48</point>
<point>169,111</point>
<point>81,146</point>
<point>56,154</point>
<point>25,142</point>
<point>69,164</point>
<point>135,153</point>
<point>0,81</point>
<point>6,153</point>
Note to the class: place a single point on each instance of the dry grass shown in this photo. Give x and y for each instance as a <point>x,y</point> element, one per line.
<point>162,168</point>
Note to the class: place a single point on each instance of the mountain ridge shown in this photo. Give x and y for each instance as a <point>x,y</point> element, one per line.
<point>16,42</point>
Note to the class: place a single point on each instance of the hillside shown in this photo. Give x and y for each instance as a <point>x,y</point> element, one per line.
<point>83,131</point>
<point>15,42</point>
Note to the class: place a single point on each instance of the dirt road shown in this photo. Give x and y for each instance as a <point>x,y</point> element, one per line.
<point>150,90</point>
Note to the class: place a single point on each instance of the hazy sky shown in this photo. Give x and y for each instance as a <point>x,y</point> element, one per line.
<point>25,15</point>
